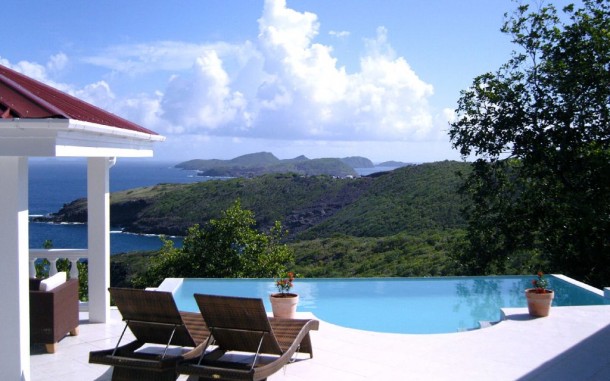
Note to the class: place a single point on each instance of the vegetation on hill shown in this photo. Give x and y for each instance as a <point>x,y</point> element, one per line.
<point>393,164</point>
<point>412,198</point>
<point>418,254</point>
<point>249,160</point>
<point>257,164</point>
<point>399,223</point>
<point>358,162</point>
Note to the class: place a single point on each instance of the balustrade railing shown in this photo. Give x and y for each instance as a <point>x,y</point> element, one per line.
<point>52,255</point>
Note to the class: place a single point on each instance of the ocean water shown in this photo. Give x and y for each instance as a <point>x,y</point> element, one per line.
<point>55,182</point>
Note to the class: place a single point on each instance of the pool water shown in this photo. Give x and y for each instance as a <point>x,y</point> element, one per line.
<point>397,305</point>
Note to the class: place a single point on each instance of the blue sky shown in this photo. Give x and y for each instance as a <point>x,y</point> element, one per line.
<point>222,78</point>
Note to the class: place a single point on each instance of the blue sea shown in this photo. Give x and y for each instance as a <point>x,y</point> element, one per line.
<point>55,182</point>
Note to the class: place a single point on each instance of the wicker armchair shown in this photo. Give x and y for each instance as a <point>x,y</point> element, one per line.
<point>54,313</point>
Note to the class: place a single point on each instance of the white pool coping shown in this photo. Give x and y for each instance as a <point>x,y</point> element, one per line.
<point>580,284</point>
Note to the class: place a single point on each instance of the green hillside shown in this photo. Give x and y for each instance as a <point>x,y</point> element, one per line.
<point>261,163</point>
<point>358,162</point>
<point>248,160</point>
<point>412,198</point>
<point>398,223</point>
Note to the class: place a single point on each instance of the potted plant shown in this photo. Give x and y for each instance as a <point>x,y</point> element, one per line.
<point>539,297</point>
<point>284,303</point>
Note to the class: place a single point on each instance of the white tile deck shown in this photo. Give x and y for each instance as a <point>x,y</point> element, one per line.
<point>573,343</point>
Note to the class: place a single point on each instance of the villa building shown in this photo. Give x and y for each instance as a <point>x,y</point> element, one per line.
<point>37,120</point>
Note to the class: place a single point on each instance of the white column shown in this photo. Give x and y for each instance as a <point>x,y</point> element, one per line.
<point>14,254</point>
<point>98,222</point>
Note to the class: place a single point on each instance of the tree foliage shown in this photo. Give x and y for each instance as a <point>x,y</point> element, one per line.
<point>406,254</point>
<point>414,198</point>
<point>540,130</point>
<point>228,247</point>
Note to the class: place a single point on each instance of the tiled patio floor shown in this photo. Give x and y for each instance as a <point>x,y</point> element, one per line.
<point>573,343</point>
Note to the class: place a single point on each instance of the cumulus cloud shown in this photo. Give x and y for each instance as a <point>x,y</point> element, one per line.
<point>146,110</point>
<point>296,89</point>
<point>98,93</point>
<point>282,85</point>
<point>204,99</point>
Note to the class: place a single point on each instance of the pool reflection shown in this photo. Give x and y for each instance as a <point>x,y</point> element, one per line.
<point>483,299</point>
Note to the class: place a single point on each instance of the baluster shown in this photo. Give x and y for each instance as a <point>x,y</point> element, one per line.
<point>33,267</point>
<point>52,266</point>
<point>74,268</point>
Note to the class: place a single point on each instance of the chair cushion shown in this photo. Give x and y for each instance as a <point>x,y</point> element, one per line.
<point>53,281</point>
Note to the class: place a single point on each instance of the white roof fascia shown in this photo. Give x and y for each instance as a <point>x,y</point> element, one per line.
<point>113,131</point>
<point>72,124</point>
<point>71,138</point>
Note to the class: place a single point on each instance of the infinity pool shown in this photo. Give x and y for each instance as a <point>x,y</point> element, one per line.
<point>397,305</point>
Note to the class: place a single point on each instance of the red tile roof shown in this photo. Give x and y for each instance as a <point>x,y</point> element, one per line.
<point>24,97</point>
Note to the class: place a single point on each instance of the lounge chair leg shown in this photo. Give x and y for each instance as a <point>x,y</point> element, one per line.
<point>305,346</point>
<point>74,332</point>
<point>51,347</point>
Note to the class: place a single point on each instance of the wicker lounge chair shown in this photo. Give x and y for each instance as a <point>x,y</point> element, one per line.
<point>153,318</point>
<point>239,325</point>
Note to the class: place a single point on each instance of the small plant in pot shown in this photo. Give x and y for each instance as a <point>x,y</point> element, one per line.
<point>284,303</point>
<point>539,297</point>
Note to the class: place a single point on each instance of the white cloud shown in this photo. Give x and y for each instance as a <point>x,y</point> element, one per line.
<point>41,72</point>
<point>172,56</point>
<point>339,34</point>
<point>143,58</point>
<point>283,85</point>
<point>146,110</point>
<point>204,99</point>
<point>31,69</point>
<point>57,62</point>
<point>98,93</point>
<point>388,98</point>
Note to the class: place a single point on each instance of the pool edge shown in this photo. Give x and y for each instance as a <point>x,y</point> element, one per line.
<point>169,284</point>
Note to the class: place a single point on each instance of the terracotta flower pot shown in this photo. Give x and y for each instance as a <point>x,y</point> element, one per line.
<point>539,304</point>
<point>284,305</point>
